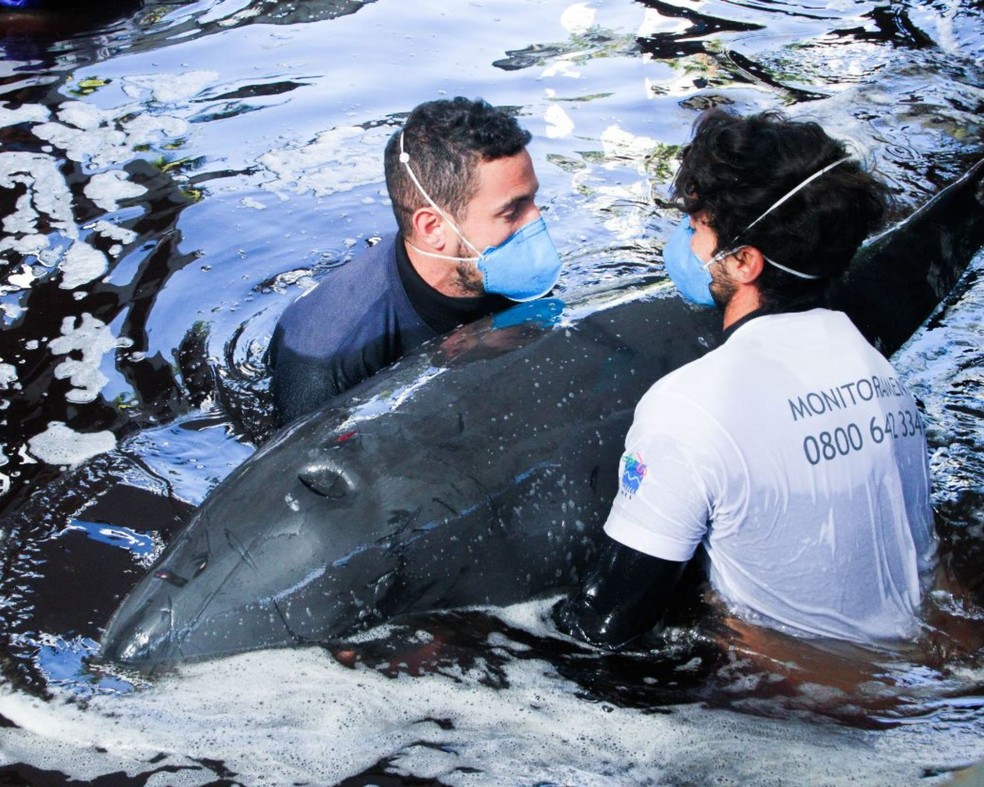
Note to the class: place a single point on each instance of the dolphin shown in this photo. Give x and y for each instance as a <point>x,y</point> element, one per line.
<point>476,471</point>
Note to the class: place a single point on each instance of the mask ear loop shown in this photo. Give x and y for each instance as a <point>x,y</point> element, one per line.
<point>775,205</point>
<point>405,161</point>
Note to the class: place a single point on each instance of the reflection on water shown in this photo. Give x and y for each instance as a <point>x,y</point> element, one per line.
<point>171,177</point>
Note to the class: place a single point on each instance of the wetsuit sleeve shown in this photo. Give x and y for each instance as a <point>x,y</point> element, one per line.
<point>623,597</point>
<point>300,385</point>
<point>669,476</point>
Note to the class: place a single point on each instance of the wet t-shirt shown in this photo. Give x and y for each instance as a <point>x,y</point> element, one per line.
<point>794,453</point>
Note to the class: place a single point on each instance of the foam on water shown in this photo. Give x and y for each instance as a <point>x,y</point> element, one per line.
<point>113,231</point>
<point>103,138</point>
<point>89,338</point>
<point>311,719</point>
<point>106,189</point>
<point>45,195</point>
<point>337,160</point>
<point>81,265</point>
<point>169,88</point>
<point>62,446</point>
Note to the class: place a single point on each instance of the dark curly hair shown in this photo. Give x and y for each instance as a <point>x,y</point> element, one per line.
<point>735,168</point>
<point>445,140</point>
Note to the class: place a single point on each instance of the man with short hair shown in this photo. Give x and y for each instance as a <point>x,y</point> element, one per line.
<point>792,454</point>
<point>470,242</point>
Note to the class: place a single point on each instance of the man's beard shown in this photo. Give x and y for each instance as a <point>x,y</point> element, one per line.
<point>722,288</point>
<point>468,277</point>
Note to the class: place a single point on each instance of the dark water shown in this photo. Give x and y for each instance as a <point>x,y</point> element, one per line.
<point>172,177</point>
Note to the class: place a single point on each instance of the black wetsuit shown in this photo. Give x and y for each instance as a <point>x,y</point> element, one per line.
<point>363,316</point>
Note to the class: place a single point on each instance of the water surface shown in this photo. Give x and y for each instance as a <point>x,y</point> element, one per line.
<point>171,178</point>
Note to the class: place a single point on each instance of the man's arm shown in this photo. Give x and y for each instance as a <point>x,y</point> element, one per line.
<point>623,597</point>
<point>299,388</point>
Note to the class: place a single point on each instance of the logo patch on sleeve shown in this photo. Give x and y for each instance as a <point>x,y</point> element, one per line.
<point>633,473</point>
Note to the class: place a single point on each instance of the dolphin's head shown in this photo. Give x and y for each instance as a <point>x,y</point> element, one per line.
<point>257,557</point>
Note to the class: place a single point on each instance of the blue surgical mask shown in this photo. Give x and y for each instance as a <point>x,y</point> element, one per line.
<point>523,267</point>
<point>687,271</point>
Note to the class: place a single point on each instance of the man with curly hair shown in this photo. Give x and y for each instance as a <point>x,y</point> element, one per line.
<point>791,457</point>
<point>470,242</point>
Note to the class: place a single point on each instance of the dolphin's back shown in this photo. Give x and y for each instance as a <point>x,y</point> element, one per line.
<point>901,276</point>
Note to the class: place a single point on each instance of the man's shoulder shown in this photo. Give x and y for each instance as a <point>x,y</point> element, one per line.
<point>679,390</point>
<point>767,353</point>
<point>349,304</point>
<point>359,281</point>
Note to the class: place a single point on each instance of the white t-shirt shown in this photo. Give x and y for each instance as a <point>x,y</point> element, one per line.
<point>796,456</point>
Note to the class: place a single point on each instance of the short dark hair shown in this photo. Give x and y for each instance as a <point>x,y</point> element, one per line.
<point>445,140</point>
<point>735,168</point>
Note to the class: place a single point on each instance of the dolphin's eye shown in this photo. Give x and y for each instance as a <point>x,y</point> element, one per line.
<point>325,480</point>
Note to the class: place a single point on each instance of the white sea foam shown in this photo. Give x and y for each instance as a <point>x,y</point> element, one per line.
<point>106,189</point>
<point>654,23</point>
<point>563,66</point>
<point>578,18</point>
<point>46,194</point>
<point>559,123</point>
<point>339,159</point>
<point>92,339</point>
<point>104,138</point>
<point>81,265</point>
<point>28,113</point>
<point>621,146</point>
<point>169,88</point>
<point>227,11</point>
<point>61,446</point>
<point>146,129</point>
<point>450,727</point>
<point>82,115</point>
<point>112,231</point>
<point>102,145</point>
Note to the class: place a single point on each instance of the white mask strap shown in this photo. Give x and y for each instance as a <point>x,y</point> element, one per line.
<point>437,256</point>
<point>722,254</point>
<point>797,274</point>
<point>405,160</point>
<point>789,194</point>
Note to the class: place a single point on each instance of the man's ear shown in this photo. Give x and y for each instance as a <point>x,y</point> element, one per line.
<point>430,228</point>
<point>749,264</point>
